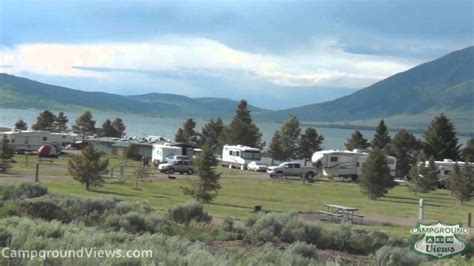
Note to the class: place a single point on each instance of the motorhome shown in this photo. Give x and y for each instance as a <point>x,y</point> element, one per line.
<point>333,163</point>
<point>33,140</point>
<point>239,156</point>
<point>164,152</point>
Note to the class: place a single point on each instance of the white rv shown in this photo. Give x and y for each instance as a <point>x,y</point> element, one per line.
<point>33,140</point>
<point>445,168</point>
<point>345,163</point>
<point>164,152</point>
<point>239,156</point>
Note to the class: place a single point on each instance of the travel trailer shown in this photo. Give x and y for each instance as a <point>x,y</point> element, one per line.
<point>238,156</point>
<point>446,168</point>
<point>164,152</point>
<point>33,140</point>
<point>345,163</point>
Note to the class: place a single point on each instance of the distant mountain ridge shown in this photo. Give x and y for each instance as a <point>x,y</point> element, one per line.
<point>17,92</point>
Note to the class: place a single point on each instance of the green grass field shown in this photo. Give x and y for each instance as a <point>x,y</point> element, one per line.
<point>241,190</point>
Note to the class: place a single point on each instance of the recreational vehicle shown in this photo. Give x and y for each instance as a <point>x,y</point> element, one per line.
<point>445,168</point>
<point>33,140</point>
<point>164,152</point>
<point>345,163</point>
<point>239,156</point>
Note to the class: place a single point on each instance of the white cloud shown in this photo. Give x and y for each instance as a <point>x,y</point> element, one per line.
<point>325,65</point>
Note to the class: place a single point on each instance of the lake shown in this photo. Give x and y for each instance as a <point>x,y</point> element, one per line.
<point>142,126</point>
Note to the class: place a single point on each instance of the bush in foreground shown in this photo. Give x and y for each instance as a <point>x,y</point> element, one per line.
<point>187,212</point>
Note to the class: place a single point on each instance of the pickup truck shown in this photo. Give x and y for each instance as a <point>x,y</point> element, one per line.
<point>181,166</point>
<point>293,169</point>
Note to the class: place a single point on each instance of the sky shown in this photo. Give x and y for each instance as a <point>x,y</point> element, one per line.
<point>275,54</point>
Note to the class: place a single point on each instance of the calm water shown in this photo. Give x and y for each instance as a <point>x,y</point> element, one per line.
<point>142,126</point>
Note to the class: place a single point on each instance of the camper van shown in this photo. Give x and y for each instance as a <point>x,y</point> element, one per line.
<point>164,152</point>
<point>238,156</point>
<point>345,163</point>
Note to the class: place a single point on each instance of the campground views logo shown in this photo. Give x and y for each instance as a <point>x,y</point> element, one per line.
<point>440,239</point>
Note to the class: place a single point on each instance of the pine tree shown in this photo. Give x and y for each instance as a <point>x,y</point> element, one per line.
<point>187,133</point>
<point>6,152</point>
<point>424,178</point>
<point>119,127</point>
<point>242,130</point>
<point>45,121</point>
<point>309,143</point>
<point>440,139</point>
<point>375,180</point>
<point>206,188</point>
<point>85,125</point>
<point>381,138</point>
<point>211,133</point>
<point>87,167</point>
<point>357,141</point>
<point>468,151</point>
<point>275,150</point>
<point>461,183</point>
<point>60,124</point>
<point>289,133</point>
<point>108,130</point>
<point>405,147</point>
<point>21,125</point>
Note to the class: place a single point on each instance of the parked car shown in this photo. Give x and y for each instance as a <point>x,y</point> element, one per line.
<point>292,169</point>
<point>254,166</point>
<point>181,166</point>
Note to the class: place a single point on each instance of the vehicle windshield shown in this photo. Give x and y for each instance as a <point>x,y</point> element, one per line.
<point>251,155</point>
<point>282,165</point>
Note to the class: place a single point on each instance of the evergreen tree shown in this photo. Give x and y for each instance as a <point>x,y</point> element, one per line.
<point>21,125</point>
<point>424,178</point>
<point>381,138</point>
<point>242,130</point>
<point>211,133</point>
<point>133,152</point>
<point>108,130</point>
<point>187,133</point>
<point>375,180</point>
<point>309,143</point>
<point>289,133</point>
<point>45,121</point>
<point>461,183</point>
<point>119,127</point>
<point>206,188</point>
<point>275,150</point>
<point>85,125</point>
<point>405,147</point>
<point>357,141</point>
<point>468,151</point>
<point>60,124</point>
<point>440,139</point>
<point>87,167</point>
<point>6,151</point>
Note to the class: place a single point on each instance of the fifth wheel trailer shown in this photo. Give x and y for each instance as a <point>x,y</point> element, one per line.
<point>345,163</point>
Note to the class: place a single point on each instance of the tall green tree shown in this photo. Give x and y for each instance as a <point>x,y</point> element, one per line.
<point>309,143</point>
<point>6,151</point>
<point>45,121</point>
<point>187,133</point>
<point>206,188</point>
<point>85,125</point>
<point>108,130</point>
<point>381,138</point>
<point>423,178</point>
<point>21,125</point>
<point>357,141</point>
<point>119,127</point>
<point>468,151</point>
<point>242,130</point>
<point>60,124</point>
<point>375,180</point>
<point>440,139</point>
<point>405,147</point>
<point>211,133</point>
<point>275,150</point>
<point>461,183</point>
<point>289,134</point>
<point>87,167</point>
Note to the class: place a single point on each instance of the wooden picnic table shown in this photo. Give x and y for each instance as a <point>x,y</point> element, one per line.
<point>342,211</point>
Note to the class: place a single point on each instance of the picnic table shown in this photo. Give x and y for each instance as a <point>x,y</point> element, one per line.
<point>340,212</point>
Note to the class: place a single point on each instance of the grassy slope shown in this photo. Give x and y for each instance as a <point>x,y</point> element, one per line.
<point>241,190</point>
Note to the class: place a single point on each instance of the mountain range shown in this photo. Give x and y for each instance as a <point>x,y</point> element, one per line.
<point>407,99</point>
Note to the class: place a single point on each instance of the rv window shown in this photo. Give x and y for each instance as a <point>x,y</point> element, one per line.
<point>45,138</point>
<point>446,172</point>
<point>231,153</point>
<point>333,159</point>
<point>13,140</point>
<point>390,161</point>
<point>237,153</point>
<point>63,137</point>
<point>251,155</point>
<point>358,164</point>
